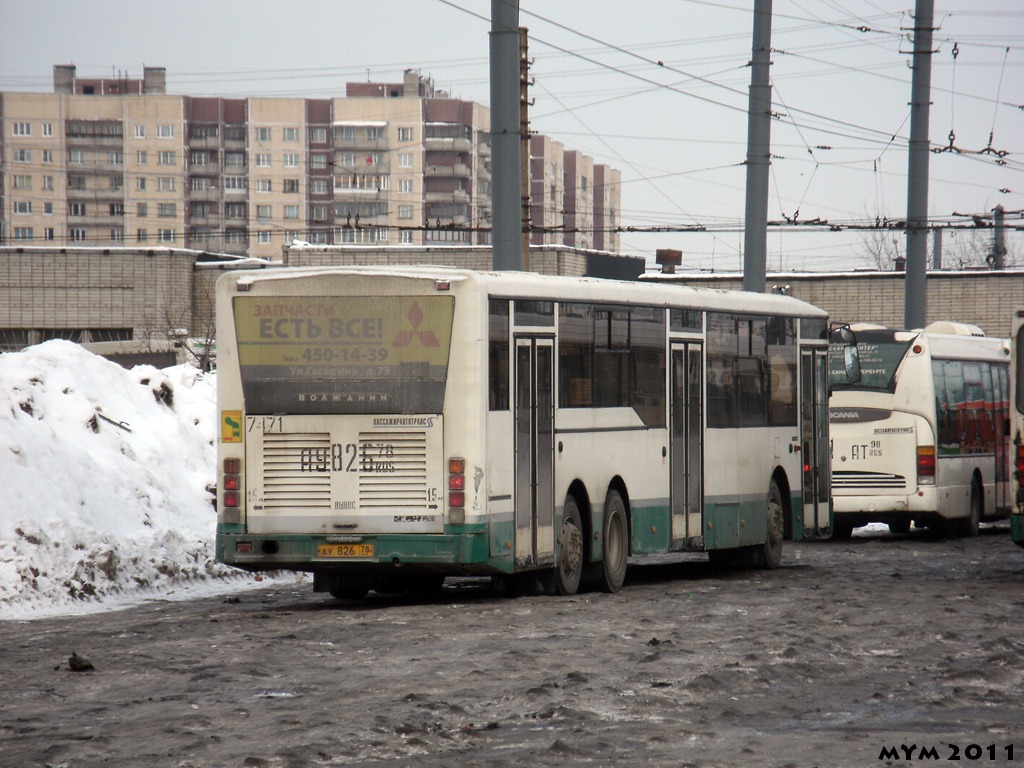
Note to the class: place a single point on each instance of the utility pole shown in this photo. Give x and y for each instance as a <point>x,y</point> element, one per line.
<point>506,231</point>
<point>916,287</point>
<point>524,132</point>
<point>998,241</point>
<point>937,248</point>
<point>759,127</point>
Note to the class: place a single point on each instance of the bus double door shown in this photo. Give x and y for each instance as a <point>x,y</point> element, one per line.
<point>814,441</point>
<point>686,465</point>
<point>534,451</point>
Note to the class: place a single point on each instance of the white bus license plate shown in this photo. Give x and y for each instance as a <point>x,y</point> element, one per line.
<point>344,550</point>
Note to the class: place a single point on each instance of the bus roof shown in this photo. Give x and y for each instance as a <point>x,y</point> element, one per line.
<point>513,284</point>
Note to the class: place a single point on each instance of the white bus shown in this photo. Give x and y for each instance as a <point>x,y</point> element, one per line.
<point>386,428</point>
<point>923,436</point>
<point>1017,425</point>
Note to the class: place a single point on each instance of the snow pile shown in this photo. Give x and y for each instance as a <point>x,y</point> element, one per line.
<point>106,482</point>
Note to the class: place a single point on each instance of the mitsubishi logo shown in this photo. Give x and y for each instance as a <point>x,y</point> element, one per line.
<point>404,338</point>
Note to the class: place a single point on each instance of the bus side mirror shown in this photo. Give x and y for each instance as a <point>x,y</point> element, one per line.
<point>851,356</point>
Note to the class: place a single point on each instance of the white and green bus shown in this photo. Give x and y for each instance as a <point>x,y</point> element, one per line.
<point>384,428</point>
<point>1017,425</point>
<point>921,438</point>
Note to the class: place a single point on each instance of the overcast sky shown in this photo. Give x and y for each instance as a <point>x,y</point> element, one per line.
<point>656,88</point>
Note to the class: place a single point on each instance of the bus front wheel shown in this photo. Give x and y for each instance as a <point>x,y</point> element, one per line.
<point>569,563</point>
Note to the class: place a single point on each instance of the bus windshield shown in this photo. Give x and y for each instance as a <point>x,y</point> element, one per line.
<point>880,356</point>
<point>323,354</point>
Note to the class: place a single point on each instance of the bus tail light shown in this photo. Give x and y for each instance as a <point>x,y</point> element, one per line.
<point>457,490</point>
<point>926,465</point>
<point>232,482</point>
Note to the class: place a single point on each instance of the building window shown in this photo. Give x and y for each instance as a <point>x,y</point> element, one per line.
<point>115,157</point>
<point>405,185</point>
<point>234,236</point>
<point>262,134</point>
<point>375,158</point>
<point>348,158</point>
<point>140,131</point>
<point>405,134</point>
<point>117,234</point>
<point>234,183</point>
<point>22,181</point>
<point>141,157</point>
<point>48,182</point>
<point>318,136</point>
<point>48,209</point>
<point>291,160</point>
<point>76,234</point>
<point>318,161</point>
<point>167,158</point>
<point>48,132</point>
<point>165,131</point>
<point>22,207</point>
<point>234,159</point>
<point>373,133</point>
<point>25,156</point>
<point>140,183</point>
<point>345,133</point>
<point>167,209</point>
<point>23,129</point>
<point>405,236</point>
<point>142,210</point>
<point>234,210</point>
<point>263,212</point>
<point>116,209</point>
<point>23,233</point>
<point>47,155</point>
<point>200,157</point>
<point>165,183</point>
<point>291,211</point>
<point>262,159</point>
<point>264,185</point>
<point>318,212</point>
<point>318,186</point>
<point>291,134</point>
<point>141,235</point>
<point>116,183</point>
<point>76,182</point>
<point>48,233</point>
<point>405,159</point>
<point>405,212</point>
<point>263,237</point>
<point>291,185</point>
<point>201,184</point>
<point>167,236</point>
<point>76,209</point>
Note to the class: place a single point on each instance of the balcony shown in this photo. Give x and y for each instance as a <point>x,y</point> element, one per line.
<point>361,144</point>
<point>204,195</point>
<point>102,141</point>
<point>451,196</point>
<point>448,144</point>
<point>459,169</point>
<point>204,142</point>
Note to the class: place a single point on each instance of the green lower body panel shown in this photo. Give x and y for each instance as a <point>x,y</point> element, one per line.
<point>652,530</point>
<point>1017,528</point>
<point>735,523</point>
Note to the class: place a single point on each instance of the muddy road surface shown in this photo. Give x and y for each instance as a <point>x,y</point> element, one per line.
<point>885,650</point>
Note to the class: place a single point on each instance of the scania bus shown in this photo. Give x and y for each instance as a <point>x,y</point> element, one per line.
<point>386,428</point>
<point>1017,426</point>
<point>923,436</point>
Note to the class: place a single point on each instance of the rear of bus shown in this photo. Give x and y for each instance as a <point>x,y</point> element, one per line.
<point>882,434</point>
<point>335,457</point>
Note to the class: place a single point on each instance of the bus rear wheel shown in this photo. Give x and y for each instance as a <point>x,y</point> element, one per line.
<point>569,562</point>
<point>615,540</point>
<point>769,554</point>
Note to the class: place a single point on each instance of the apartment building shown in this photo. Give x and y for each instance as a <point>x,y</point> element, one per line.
<point>119,162</point>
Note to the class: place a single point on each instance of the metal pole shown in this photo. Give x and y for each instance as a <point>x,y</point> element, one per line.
<point>915,298</point>
<point>759,126</point>
<point>937,248</point>
<point>506,232</point>
<point>998,241</point>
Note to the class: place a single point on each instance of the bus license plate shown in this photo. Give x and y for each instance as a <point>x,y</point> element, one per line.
<point>344,550</point>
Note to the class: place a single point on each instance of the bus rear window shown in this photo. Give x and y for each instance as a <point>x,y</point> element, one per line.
<point>880,355</point>
<point>351,354</point>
